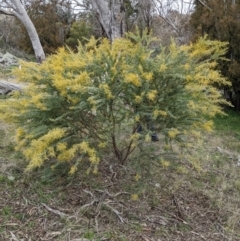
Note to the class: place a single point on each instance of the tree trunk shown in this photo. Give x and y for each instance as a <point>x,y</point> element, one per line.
<point>111,16</point>
<point>22,15</point>
<point>117,19</point>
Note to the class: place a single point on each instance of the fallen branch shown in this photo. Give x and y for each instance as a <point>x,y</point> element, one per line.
<point>7,87</point>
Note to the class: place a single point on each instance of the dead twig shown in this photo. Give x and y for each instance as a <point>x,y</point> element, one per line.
<point>175,201</point>
<point>61,214</point>
<point>115,211</point>
<point>113,195</point>
<point>199,235</point>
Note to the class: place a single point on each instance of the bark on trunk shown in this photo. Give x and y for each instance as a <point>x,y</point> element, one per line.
<point>22,15</point>
<point>111,16</point>
<point>117,19</point>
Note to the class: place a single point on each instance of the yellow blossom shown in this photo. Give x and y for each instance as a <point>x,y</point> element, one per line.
<point>106,90</point>
<point>186,66</point>
<point>92,43</point>
<point>147,138</point>
<point>102,144</point>
<point>73,170</point>
<point>134,197</point>
<point>135,136</point>
<point>51,152</point>
<point>140,68</point>
<point>162,68</point>
<point>208,126</point>
<point>83,78</point>
<point>138,99</point>
<point>157,113</point>
<point>94,159</point>
<point>195,133</point>
<point>20,133</point>
<point>147,76</point>
<point>95,170</point>
<point>133,79</point>
<point>182,170</point>
<point>62,146</point>
<point>173,133</point>
<point>188,77</point>
<point>191,105</point>
<point>151,95</point>
<point>69,154</point>
<point>137,177</point>
<point>162,113</point>
<point>137,118</point>
<point>84,146</point>
<point>165,164</point>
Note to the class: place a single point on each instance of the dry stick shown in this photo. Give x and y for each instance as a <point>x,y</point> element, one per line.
<point>199,235</point>
<point>174,217</point>
<point>115,211</point>
<point>14,236</point>
<point>111,195</point>
<point>178,207</point>
<point>61,214</point>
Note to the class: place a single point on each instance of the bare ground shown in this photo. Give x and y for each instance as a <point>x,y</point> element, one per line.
<point>186,201</point>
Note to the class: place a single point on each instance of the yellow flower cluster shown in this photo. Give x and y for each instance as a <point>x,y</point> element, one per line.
<point>68,154</point>
<point>137,118</point>
<point>37,100</point>
<point>165,164</point>
<point>73,170</point>
<point>85,148</point>
<point>106,90</point>
<point>102,144</point>
<point>132,78</point>
<point>173,133</point>
<point>151,95</point>
<point>20,133</point>
<point>138,99</point>
<point>137,177</point>
<point>208,126</point>
<point>147,138</point>
<point>92,100</point>
<point>162,68</point>
<point>134,197</point>
<point>135,136</point>
<point>36,152</point>
<point>147,76</point>
<point>157,113</point>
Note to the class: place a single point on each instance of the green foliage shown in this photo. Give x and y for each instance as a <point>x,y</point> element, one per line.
<point>220,21</point>
<point>52,21</point>
<point>228,124</point>
<point>80,107</point>
<point>80,31</point>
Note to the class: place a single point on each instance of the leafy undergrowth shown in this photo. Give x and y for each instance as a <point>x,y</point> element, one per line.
<point>194,198</point>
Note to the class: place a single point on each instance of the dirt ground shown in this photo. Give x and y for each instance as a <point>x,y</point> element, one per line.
<point>170,204</point>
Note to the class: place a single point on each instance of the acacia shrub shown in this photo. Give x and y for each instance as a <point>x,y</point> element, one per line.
<point>79,107</point>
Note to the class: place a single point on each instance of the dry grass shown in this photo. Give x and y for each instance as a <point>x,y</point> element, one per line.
<point>195,198</point>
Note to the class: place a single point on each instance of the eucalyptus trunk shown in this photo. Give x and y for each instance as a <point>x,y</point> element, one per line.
<point>111,16</point>
<point>21,13</point>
